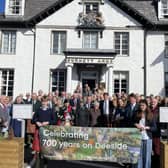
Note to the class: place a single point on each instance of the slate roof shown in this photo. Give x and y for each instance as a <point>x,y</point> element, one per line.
<point>146,8</point>
<point>145,11</point>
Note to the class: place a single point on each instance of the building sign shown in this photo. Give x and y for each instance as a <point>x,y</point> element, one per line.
<point>89,60</point>
<point>93,144</point>
<point>163,114</point>
<point>22,111</point>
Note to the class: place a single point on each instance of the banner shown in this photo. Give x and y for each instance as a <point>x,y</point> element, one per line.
<point>92,144</point>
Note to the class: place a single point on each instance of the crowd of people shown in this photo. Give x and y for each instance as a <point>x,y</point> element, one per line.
<point>87,108</point>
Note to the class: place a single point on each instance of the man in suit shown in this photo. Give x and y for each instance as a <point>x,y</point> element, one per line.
<point>106,108</point>
<point>50,100</point>
<point>28,99</point>
<point>63,96</point>
<point>75,101</point>
<point>75,104</point>
<point>89,103</point>
<point>36,103</point>
<point>131,110</point>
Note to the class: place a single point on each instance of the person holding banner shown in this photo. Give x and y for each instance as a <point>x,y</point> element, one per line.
<point>44,116</point>
<point>16,124</point>
<point>145,122</point>
<point>157,133</point>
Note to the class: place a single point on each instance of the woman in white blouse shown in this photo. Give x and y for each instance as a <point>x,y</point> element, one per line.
<point>144,121</point>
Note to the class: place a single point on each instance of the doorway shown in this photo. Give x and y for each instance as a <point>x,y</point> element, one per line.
<point>91,83</point>
<point>90,78</point>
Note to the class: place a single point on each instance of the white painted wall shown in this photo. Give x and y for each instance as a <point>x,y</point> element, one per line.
<point>61,20</point>
<point>112,15</point>
<point>155,63</point>
<point>65,19</point>
<point>21,62</point>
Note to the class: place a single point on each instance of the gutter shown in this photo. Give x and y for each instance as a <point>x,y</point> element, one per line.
<point>145,63</point>
<point>34,56</point>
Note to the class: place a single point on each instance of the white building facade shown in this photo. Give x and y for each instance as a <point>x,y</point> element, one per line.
<point>57,45</point>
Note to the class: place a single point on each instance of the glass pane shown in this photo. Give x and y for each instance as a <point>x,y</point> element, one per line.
<point>86,40</point>
<point>95,7</point>
<point>125,47</point>
<point>88,7</point>
<point>58,80</point>
<point>94,37</point>
<point>116,90</point>
<point>13,42</point>
<point>62,41</point>
<point>5,42</point>
<point>125,52</point>
<point>124,90</point>
<point>55,42</point>
<point>117,51</point>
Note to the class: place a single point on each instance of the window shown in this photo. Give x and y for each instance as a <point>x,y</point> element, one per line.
<point>90,40</point>
<point>8,42</point>
<point>58,78</point>
<point>121,82</point>
<point>122,43</point>
<point>7,82</point>
<point>15,7</point>
<point>164,8</point>
<point>166,45</point>
<point>58,42</point>
<point>91,7</point>
<point>166,83</point>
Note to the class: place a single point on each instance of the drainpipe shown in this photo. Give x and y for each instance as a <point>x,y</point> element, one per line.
<point>34,55</point>
<point>145,63</point>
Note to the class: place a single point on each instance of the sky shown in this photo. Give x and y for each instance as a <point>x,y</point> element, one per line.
<point>2,6</point>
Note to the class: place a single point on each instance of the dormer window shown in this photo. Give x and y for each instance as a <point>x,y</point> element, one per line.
<point>15,7</point>
<point>91,7</point>
<point>163,9</point>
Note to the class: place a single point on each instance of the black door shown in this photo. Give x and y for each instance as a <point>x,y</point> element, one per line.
<point>90,82</point>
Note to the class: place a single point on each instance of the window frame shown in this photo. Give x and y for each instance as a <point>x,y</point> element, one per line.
<point>97,39</point>
<point>10,7</point>
<point>164,15</point>
<point>166,87</point>
<point>7,86</point>
<point>9,42</point>
<point>120,73</point>
<point>52,42</point>
<point>166,46</point>
<point>114,42</point>
<point>58,81</point>
<point>91,3</point>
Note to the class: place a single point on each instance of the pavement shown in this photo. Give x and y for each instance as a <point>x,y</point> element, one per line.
<point>81,164</point>
<point>30,163</point>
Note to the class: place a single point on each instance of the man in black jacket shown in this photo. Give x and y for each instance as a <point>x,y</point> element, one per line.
<point>131,110</point>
